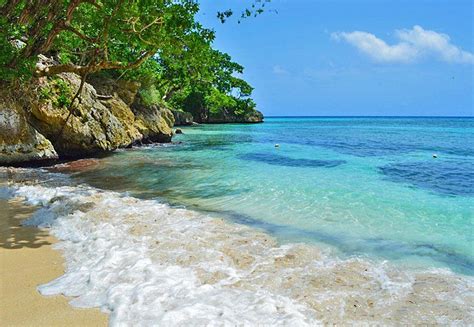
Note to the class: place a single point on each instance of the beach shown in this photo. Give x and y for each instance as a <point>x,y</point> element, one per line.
<point>147,262</point>
<point>28,260</point>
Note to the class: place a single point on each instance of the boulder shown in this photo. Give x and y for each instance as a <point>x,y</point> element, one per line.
<point>153,122</point>
<point>36,123</point>
<point>75,166</point>
<point>182,118</point>
<point>93,126</point>
<point>125,90</point>
<point>19,141</point>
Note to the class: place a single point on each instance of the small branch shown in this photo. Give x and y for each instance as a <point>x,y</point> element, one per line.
<point>71,105</point>
<point>92,68</point>
<point>79,34</point>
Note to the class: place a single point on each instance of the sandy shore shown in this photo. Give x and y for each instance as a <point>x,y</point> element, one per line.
<point>27,260</point>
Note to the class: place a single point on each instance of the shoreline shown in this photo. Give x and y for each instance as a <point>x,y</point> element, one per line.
<point>27,260</point>
<point>158,253</point>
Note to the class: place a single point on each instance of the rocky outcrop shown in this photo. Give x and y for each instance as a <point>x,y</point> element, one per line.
<point>154,123</point>
<point>125,90</point>
<point>35,122</point>
<point>182,118</point>
<point>93,126</point>
<point>19,141</point>
<point>225,116</point>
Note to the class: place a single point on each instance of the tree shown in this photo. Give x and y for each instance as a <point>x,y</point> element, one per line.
<point>157,42</point>
<point>93,35</point>
<point>89,35</point>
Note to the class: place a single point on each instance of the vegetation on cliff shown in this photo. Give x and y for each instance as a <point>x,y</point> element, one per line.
<point>159,44</point>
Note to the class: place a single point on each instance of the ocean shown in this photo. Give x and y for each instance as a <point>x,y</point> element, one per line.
<point>298,220</point>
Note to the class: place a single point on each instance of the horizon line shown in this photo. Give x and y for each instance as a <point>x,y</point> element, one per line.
<point>362,116</point>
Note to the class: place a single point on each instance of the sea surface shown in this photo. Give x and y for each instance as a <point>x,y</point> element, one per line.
<point>365,186</point>
<point>347,220</point>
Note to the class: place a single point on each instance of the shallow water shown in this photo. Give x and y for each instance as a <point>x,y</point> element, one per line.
<point>146,264</point>
<point>362,186</point>
<point>340,224</point>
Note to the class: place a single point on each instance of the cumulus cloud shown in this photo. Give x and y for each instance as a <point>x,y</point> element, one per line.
<point>413,44</point>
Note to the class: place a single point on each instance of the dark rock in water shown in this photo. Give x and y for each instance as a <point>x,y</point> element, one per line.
<point>178,131</point>
<point>182,118</point>
<point>76,166</point>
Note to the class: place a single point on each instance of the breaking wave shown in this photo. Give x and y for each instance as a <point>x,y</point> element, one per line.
<point>146,263</point>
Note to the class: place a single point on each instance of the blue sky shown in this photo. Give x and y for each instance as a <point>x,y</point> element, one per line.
<point>354,57</point>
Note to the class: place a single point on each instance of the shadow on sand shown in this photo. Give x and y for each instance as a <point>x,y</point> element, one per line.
<point>12,234</point>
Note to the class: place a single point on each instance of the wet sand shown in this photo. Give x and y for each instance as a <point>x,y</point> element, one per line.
<point>26,261</point>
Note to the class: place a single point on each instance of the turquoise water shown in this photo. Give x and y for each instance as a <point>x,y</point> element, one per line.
<point>360,186</point>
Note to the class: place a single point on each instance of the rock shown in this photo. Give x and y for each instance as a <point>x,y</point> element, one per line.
<point>254,117</point>
<point>19,141</point>
<point>182,118</point>
<point>76,165</point>
<point>227,116</point>
<point>178,131</point>
<point>125,115</point>
<point>35,122</point>
<point>150,123</point>
<point>125,90</point>
<point>93,125</point>
<point>154,123</point>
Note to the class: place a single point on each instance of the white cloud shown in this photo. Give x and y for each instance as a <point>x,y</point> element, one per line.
<point>279,70</point>
<point>413,44</point>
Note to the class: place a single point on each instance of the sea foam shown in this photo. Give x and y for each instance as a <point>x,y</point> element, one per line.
<point>146,263</point>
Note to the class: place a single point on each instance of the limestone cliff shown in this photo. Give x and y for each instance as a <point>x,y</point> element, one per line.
<point>93,125</point>
<point>202,115</point>
<point>182,118</point>
<point>19,141</point>
<point>153,122</point>
<point>227,116</point>
<point>35,122</point>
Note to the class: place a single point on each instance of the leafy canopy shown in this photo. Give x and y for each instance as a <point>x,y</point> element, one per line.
<point>157,42</point>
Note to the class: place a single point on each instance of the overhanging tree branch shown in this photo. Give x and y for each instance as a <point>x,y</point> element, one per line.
<point>92,68</point>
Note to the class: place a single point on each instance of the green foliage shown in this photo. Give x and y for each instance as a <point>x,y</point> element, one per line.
<point>63,91</point>
<point>150,96</point>
<point>217,100</point>
<point>257,8</point>
<point>57,91</point>
<point>158,43</point>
